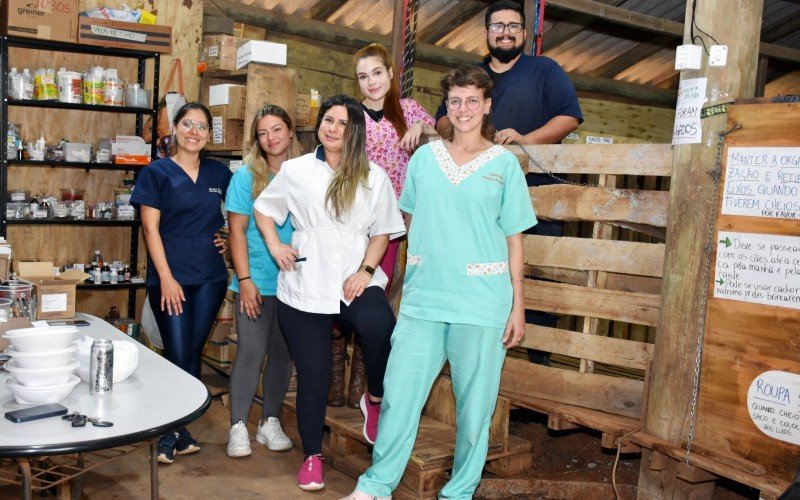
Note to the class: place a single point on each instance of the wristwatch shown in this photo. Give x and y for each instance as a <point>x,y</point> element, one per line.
<point>367,269</point>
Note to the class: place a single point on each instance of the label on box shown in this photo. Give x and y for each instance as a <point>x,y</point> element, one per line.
<point>217,130</point>
<point>213,51</point>
<point>53,302</point>
<point>118,33</point>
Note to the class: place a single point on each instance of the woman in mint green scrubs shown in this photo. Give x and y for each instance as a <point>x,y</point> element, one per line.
<point>463,290</point>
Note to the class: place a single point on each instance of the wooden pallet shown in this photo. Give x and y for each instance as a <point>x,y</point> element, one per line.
<point>346,450</point>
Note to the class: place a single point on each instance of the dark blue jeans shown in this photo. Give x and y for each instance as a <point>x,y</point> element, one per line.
<point>185,334</point>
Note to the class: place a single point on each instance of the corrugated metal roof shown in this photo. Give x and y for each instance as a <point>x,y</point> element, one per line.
<point>599,48</point>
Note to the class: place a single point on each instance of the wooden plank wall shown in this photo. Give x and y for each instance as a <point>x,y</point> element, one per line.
<point>578,271</point>
<point>761,337</point>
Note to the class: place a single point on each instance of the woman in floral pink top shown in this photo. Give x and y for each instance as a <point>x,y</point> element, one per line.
<point>394,125</point>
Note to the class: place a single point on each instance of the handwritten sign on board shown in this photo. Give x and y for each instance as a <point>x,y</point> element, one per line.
<point>758,268</point>
<point>762,182</point>
<point>691,96</point>
<point>773,401</point>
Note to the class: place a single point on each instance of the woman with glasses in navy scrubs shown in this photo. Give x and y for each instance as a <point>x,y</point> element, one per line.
<point>180,200</point>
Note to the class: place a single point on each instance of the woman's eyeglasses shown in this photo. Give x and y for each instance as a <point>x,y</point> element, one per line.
<point>513,28</point>
<point>188,124</point>
<point>472,103</point>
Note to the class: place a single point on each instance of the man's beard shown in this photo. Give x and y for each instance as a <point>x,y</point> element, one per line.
<point>505,55</point>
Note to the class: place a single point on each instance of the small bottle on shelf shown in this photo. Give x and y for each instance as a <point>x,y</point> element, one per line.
<point>114,276</point>
<point>98,258</point>
<point>106,274</point>
<point>126,274</point>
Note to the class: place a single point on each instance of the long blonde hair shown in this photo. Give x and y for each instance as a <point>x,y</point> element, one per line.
<point>353,171</point>
<point>256,159</point>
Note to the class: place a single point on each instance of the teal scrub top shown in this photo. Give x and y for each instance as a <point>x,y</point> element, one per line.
<point>457,265</point>
<point>263,268</point>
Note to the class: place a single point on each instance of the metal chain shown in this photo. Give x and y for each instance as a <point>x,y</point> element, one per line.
<point>560,180</point>
<point>715,174</point>
<point>409,47</point>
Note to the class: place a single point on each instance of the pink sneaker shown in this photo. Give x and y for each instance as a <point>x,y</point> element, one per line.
<point>372,413</point>
<point>309,477</point>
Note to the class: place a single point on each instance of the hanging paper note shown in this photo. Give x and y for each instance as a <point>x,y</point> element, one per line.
<point>691,96</point>
<point>773,402</point>
<point>758,268</point>
<point>762,182</point>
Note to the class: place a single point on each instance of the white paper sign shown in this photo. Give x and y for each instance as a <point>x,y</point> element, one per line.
<point>217,128</point>
<point>762,182</point>
<point>596,139</point>
<point>691,96</point>
<point>118,33</point>
<point>758,268</point>
<point>773,402</point>
<point>53,302</point>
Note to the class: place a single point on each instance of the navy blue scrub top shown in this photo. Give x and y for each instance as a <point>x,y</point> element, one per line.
<point>191,212</point>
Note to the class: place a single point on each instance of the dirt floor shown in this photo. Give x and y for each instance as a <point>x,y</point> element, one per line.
<point>567,464</point>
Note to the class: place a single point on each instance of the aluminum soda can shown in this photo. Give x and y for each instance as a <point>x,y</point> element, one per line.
<point>101,367</point>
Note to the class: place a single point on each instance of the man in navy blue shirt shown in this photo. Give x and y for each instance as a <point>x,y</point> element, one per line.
<point>533,102</point>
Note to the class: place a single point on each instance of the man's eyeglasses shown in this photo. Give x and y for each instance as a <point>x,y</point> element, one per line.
<point>513,28</point>
<point>188,124</point>
<point>454,103</point>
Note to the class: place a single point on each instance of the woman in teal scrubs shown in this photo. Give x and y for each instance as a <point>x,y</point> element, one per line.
<point>463,290</point>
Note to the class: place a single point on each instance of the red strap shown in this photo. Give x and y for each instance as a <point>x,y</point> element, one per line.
<point>177,67</point>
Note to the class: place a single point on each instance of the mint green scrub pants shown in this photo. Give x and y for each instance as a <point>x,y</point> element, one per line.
<point>419,350</point>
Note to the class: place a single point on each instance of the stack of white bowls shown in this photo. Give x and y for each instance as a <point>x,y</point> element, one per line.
<point>41,364</point>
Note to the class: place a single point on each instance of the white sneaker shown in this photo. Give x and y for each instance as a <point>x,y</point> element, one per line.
<point>360,495</point>
<point>238,440</point>
<point>271,434</point>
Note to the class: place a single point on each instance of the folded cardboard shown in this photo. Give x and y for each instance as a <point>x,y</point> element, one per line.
<point>129,145</point>
<point>55,294</point>
<point>248,31</point>
<point>258,51</point>
<point>52,20</point>
<point>122,35</point>
<point>220,51</point>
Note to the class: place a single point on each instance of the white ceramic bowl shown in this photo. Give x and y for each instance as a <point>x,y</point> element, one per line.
<point>41,395</point>
<point>42,359</point>
<point>40,377</point>
<point>42,338</point>
<point>126,359</point>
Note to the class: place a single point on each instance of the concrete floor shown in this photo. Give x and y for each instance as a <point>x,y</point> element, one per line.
<point>209,473</point>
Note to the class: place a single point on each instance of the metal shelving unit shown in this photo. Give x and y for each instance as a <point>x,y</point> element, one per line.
<point>7,43</point>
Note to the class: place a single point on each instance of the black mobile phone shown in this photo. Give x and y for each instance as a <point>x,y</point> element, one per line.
<point>69,322</point>
<point>37,412</point>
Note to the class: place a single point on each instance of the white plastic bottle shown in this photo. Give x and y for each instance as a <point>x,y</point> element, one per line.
<point>13,77</point>
<point>27,84</point>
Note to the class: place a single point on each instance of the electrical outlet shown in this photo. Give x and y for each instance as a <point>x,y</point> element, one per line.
<point>688,57</point>
<point>719,56</point>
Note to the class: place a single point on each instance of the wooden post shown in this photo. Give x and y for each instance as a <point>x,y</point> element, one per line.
<point>690,215</point>
<point>398,37</point>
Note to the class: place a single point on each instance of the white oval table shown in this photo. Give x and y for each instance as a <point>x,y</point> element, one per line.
<point>156,398</point>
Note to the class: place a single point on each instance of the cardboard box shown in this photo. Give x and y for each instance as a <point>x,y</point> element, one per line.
<point>231,95</point>
<point>55,294</point>
<point>217,351</point>
<point>45,20</point>
<point>220,51</point>
<point>258,51</point>
<point>227,134</point>
<point>302,110</point>
<point>122,35</point>
<point>248,31</point>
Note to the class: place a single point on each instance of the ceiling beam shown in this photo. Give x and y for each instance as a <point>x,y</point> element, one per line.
<point>568,26</point>
<point>777,31</point>
<point>657,25</point>
<point>324,9</point>
<point>349,37</point>
<point>637,53</point>
<point>460,13</point>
